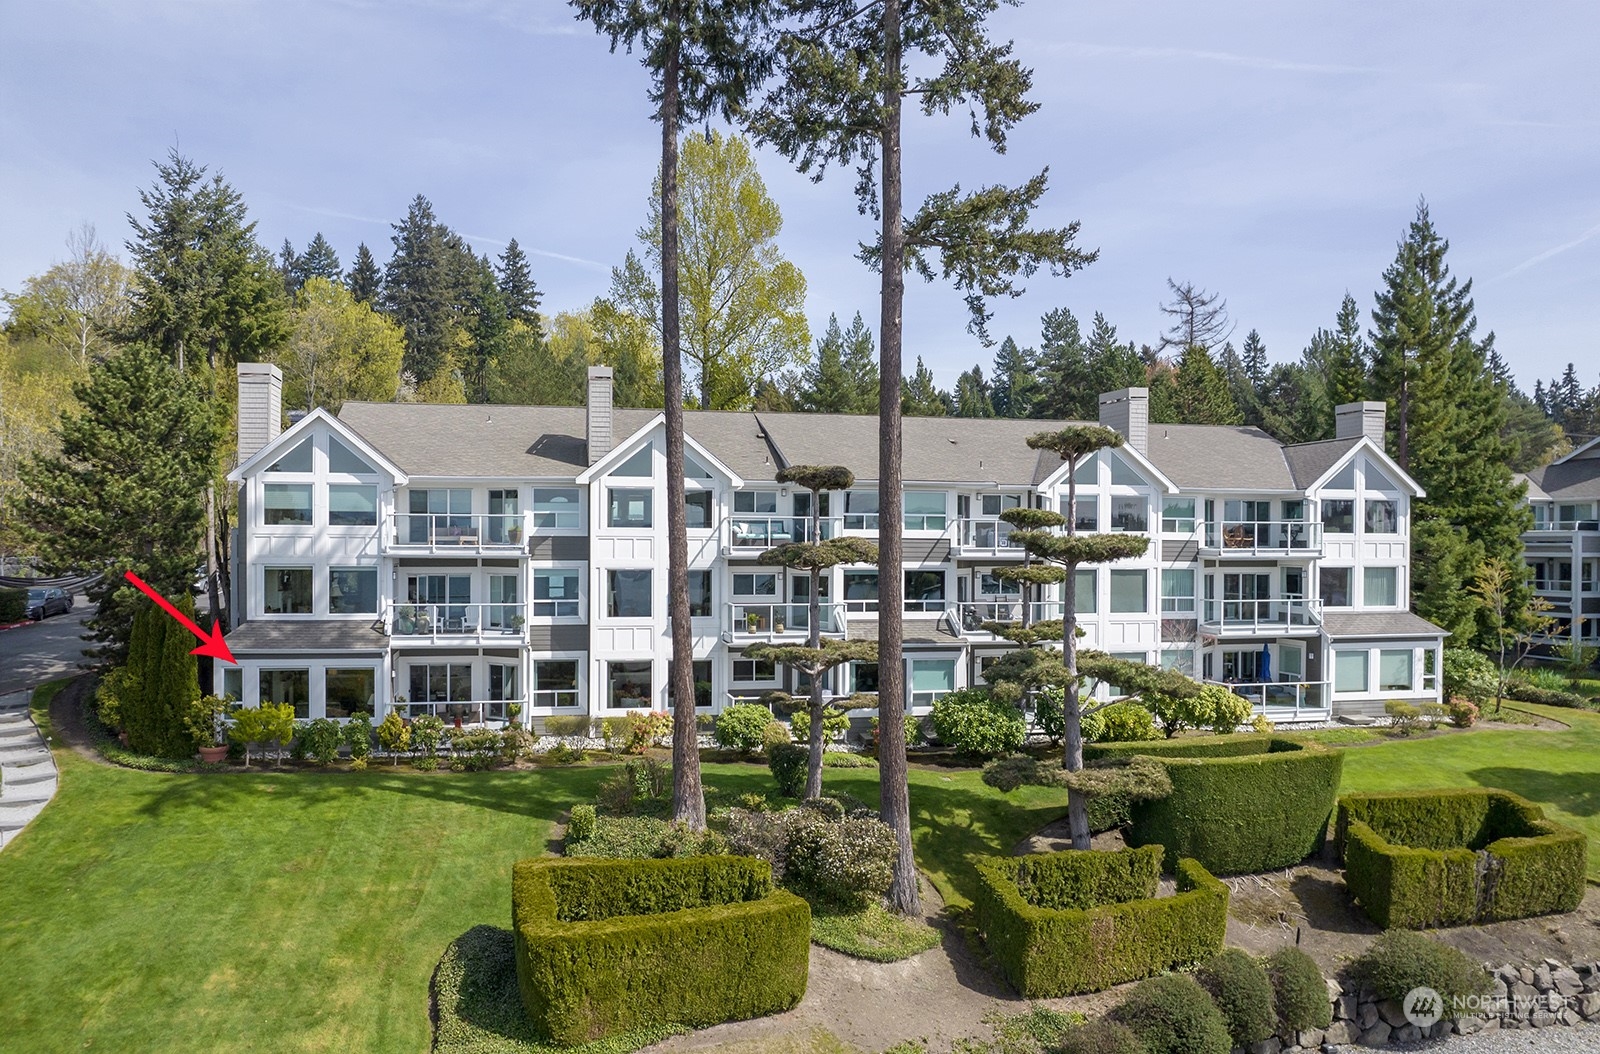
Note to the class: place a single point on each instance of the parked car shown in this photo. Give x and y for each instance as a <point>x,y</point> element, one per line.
<point>42,603</point>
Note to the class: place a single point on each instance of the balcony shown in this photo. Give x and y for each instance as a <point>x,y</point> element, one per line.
<point>1552,585</point>
<point>1262,538</point>
<point>1286,701</point>
<point>752,534</point>
<point>407,533</point>
<point>983,537</point>
<point>788,623</point>
<point>1266,617</point>
<point>1564,526</point>
<point>468,712</point>
<point>456,623</point>
<point>967,619</point>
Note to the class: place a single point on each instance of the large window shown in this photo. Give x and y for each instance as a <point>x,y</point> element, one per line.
<point>1395,672</point>
<point>861,510</point>
<point>288,591</point>
<point>232,683</point>
<point>1333,585</point>
<point>628,507</point>
<point>1129,591</point>
<point>924,590</point>
<point>296,460</point>
<point>924,510</point>
<point>555,592</point>
<point>349,692</point>
<point>628,685</point>
<point>1338,515</point>
<point>1088,516</point>
<point>754,671</point>
<point>701,672</point>
<point>286,504</point>
<point>1349,671</point>
<point>642,463</point>
<point>864,678</point>
<point>1177,590</point>
<point>556,508</point>
<point>441,683</point>
<point>287,686</point>
<point>931,680</point>
<point>628,593</point>
<point>1382,517</point>
<point>1379,587</point>
<point>1083,590</point>
<point>352,505</point>
<point>755,585</point>
<point>861,590</point>
<point>697,509</point>
<point>756,501</point>
<point>1129,514</point>
<point>505,602</point>
<point>699,594</point>
<point>504,516</point>
<point>352,590</point>
<point>439,515</point>
<point>995,504</point>
<point>1177,516</point>
<point>344,461</point>
<point>555,682</point>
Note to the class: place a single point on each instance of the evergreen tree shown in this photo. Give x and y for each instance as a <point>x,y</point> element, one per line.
<point>126,490</point>
<point>921,397</point>
<point>177,687</point>
<point>972,397</point>
<point>489,326</point>
<point>365,281</point>
<point>426,287</point>
<point>1253,359</point>
<point>1015,385</point>
<point>517,288</point>
<point>1196,394</point>
<point>826,385</point>
<point>1114,366</point>
<point>1292,406</point>
<point>205,289</point>
<point>1066,385</point>
<point>861,365</point>
<point>1337,362</point>
<point>1240,390</point>
<point>288,269</point>
<point>318,261</point>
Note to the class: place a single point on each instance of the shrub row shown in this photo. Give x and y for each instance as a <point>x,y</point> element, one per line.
<point>1523,692</point>
<point>843,861</point>
<point>1239,804</point>
<point>13,605</point>
<point>606,946</point>
<point>1088,943</point>
<point>1451,857</point>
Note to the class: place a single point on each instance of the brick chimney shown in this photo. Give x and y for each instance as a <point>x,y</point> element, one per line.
<point>598,430</point>
<point>1128,411</point>
<point>260,406</point>
<point>1354,420</point>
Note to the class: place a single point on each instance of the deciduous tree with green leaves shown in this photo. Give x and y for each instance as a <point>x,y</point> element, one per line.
<point>339,349</point>
<point>704,58</point>
<point>845,69</point>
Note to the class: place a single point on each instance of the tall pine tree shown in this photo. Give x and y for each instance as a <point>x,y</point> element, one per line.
<point>517,287</point>
<point>972,397</point>
<point>921,397</point>
<point>426,287</point>
<point>1014,386</point>
<point>365,281</point>
<point>1066,387</point>
<point>842,378</point>
<point>318,261</point>
<point>1195,393</point>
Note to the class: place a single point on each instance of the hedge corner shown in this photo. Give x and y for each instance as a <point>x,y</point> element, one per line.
<point>608,946</point>
<point>1420,859</point>
<point>1085,920</point>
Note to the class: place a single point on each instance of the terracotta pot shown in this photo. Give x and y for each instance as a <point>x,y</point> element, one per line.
<point>213,755</point>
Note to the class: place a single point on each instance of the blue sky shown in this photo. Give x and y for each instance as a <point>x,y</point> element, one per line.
<point>1273,152</point>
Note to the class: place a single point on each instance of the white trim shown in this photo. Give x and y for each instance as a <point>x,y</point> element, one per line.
<point>1372,449</point>
<point>293,433</point>
<point>629,446</point>
<point>1143,463</point>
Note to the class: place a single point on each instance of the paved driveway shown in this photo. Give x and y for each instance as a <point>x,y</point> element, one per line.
<point>37,652</point>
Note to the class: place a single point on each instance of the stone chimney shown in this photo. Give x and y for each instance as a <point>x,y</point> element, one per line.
<point>260,406</point>
<point>598,430</point>
<point>1354,420</point>
<point>1128,411</point>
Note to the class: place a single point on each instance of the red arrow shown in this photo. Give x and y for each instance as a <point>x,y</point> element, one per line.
<point>211,643</point>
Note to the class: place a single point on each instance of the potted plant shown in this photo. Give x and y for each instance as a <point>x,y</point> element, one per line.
<point>514,533</point>
<point>517,622</point>
<point>514,713</point>
<point>203,719</point>
<point>752,622</point>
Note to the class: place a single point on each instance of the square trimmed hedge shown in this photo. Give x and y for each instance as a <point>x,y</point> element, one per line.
<point>1085,920</point>
<point>607,946</point>
<point>1240,804</point>
<point>1419,859</point>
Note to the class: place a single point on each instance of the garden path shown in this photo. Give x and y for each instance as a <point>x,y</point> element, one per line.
<point>27,771</point>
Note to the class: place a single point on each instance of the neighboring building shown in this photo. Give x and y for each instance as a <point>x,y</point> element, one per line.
<point>452,559</point>
<point>1563,548</point>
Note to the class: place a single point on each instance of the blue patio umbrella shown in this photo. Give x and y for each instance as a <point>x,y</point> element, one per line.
<point>1266,663</point>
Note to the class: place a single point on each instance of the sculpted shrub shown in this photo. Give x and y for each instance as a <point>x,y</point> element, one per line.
<point>394,735</point>
<point>976,723</point>
<point>742,727</point>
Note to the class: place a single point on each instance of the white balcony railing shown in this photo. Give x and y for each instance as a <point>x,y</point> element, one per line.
<point>985,536</point>
<point>1285,701</point>
<point>1274,615</point>
<point>468,712</point>
<point>454,621</point>
<point>1553,585</point>
<point>439,532</point>
<point>757,621</point>
<point>554,698</point>
<point>1241,537</point>
<point>1563,526</point>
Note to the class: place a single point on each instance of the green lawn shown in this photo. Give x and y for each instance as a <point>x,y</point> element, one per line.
<point>306,911</point>
<point>1559,770</point>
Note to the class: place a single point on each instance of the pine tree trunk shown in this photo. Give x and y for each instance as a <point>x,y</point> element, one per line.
<point>688,797</point>
<point>1072,711</point>
<point>814,641</point>
<point>895,795</point>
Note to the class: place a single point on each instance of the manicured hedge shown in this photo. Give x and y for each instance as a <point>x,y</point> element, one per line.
<point>606,946</point>
<point>1451,857</point>
<point>1239,804</point>
<point>13,605</point>
<point>1084,920</point>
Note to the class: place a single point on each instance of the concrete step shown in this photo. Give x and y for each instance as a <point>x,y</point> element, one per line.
<point>13,718</point>
<point>10,734</point>
<point>23,756</point>
<point>25,798</point>
<point>36,758</point>
<point>31,776</point>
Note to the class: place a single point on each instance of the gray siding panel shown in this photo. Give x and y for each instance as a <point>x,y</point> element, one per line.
<point>558,638</point>
<point>926,550</point>
<point>558,547</point>
<point>1174,551</point>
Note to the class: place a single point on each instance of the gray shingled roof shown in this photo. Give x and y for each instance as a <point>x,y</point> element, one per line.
<point>1219,457</point>
<point>305,635</point>
<point>1574,481</point>
<point>937,449</point>
<point>1345,624</point>
<point>1308,462</point>
<point>914,631</point>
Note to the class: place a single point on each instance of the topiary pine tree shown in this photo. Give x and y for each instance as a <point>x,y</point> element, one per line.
<point>175,686</point>
<point>816,555</point>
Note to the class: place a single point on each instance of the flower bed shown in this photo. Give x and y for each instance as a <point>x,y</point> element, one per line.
<point>1240,804</point>
<point>1452,857</point>
<point>609,946</point>
<point>1082,921</point>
